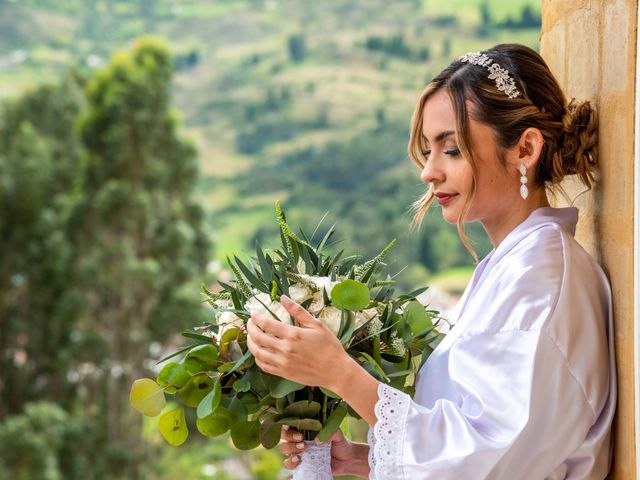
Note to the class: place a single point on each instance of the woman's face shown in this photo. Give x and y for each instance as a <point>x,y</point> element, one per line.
<point>450,174</point>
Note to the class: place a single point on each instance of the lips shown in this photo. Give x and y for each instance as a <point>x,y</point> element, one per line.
<point>444,197</point>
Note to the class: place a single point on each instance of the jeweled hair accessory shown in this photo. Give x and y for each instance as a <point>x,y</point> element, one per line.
<point>504,81</point>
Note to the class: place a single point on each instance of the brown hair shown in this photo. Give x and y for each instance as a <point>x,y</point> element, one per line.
<point>569,130</point>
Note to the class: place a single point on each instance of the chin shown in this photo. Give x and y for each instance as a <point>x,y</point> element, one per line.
<point>450,218</point>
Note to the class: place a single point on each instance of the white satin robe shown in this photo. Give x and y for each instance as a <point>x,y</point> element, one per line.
<point>524,386</point>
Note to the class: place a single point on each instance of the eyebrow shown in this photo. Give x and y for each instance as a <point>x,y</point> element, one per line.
<point>441,136</point>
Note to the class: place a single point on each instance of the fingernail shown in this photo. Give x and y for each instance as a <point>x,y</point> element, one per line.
<point>295,459</point>
<point>285,427</point>
<point>285,297</point>
<point>297,436</point>
<point>300,445</point>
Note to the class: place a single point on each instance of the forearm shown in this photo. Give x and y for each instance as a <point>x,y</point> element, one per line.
<point>357,387</point>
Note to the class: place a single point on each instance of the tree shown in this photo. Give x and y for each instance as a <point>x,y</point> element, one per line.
<point>141,239</point>
<point>101,244</point>
<point>297,49</point>
<point>39,301</point>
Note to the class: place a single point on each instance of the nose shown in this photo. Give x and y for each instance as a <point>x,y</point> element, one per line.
<point>432,171</point>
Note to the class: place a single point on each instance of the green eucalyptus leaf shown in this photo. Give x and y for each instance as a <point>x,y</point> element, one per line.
<point>195,390</point>
<point>350,295</point>
<point>329,393</point>
<point>417,317</point>
<point>211,401</point>
<point>238,409</point>
<point>201,359</point>
<point>173,376</point>
<point>259,381</point>
<point>332,423</point>
<point>250,402</point>
<point>280,387</point>
<point>246,435</point>
<point>173,427</point>
<point>215,424</point>
<point>302,409</point>
<point>147,397</point>
<point>270,433</point>
<point>243,384</point>
<point>302,423</point>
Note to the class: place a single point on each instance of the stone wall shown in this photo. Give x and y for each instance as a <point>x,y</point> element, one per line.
<point>590,45</point>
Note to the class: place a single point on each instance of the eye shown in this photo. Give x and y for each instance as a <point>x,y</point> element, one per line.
<point>454,152</point>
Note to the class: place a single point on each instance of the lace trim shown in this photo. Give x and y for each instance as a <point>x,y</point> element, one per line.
<point>371,440</point>
<point>385,452</point>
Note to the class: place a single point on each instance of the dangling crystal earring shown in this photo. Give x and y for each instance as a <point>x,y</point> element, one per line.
<point>524,191</point>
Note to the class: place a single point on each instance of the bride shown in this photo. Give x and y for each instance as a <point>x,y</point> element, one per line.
<point>523,386</point>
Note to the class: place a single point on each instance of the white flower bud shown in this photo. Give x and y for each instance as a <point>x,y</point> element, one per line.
<point>331,317</point>
<point>364,316</point>
<point>229,320</point>
<point>299,292</point>
<point>254,305</point>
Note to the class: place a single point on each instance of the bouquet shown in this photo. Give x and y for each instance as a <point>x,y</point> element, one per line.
<point>390,336</point>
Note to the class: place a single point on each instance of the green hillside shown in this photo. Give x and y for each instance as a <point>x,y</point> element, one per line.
<point>284,99</point>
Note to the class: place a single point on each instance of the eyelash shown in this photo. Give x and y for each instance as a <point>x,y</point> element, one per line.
<point>454,153</point>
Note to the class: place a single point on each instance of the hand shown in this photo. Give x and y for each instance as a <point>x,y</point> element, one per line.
<point>301,354</point>
<point>345,455</point>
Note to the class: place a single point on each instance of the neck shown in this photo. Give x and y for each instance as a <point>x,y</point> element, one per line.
<point>499,227</point>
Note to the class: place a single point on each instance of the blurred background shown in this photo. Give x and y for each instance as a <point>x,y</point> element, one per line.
<point>141,142</point>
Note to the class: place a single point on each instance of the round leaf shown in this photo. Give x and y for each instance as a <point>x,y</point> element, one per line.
<point>417,317</point>
<point>173,427</point>
<point>246,435</point>
<point>147,397</point>
<point>201,358</point>
<point>302,409</point>
<point>173,376</point>
<point>332,423</point>
<point>270,433</point>
<point>195,390</point>
<point>215,424</point>
<point>243,384</point>
<point>211,401</point>
<point>302,423</point>
<point>350,295</point>
<point>250,402</point>
<point>281,387</point>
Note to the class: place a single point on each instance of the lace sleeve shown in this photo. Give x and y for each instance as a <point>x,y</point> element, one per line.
<point>386,437</point>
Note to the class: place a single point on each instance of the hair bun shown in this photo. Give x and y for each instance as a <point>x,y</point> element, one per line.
<point>579,143</point>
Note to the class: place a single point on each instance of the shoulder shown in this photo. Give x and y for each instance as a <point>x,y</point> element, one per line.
<point>543,270</point>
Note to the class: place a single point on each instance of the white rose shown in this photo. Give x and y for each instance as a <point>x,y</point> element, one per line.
<point>331,317</point>
<point>229,320</point>
<point>299,292</point>
<point>281,313</point>
<point>364,316</point>
<point>254,305</point>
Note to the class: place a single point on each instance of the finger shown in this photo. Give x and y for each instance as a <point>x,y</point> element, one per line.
<point>336,436</point>
<point>292,462</point>
<point>290,435</point>
<point>271,326</point>
<point>265,359</point>
<point>292,448</point>
<point>263,339</point>
<point>298,312</point>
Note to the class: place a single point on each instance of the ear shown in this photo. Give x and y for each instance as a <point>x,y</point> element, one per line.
<point>528,149</point>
